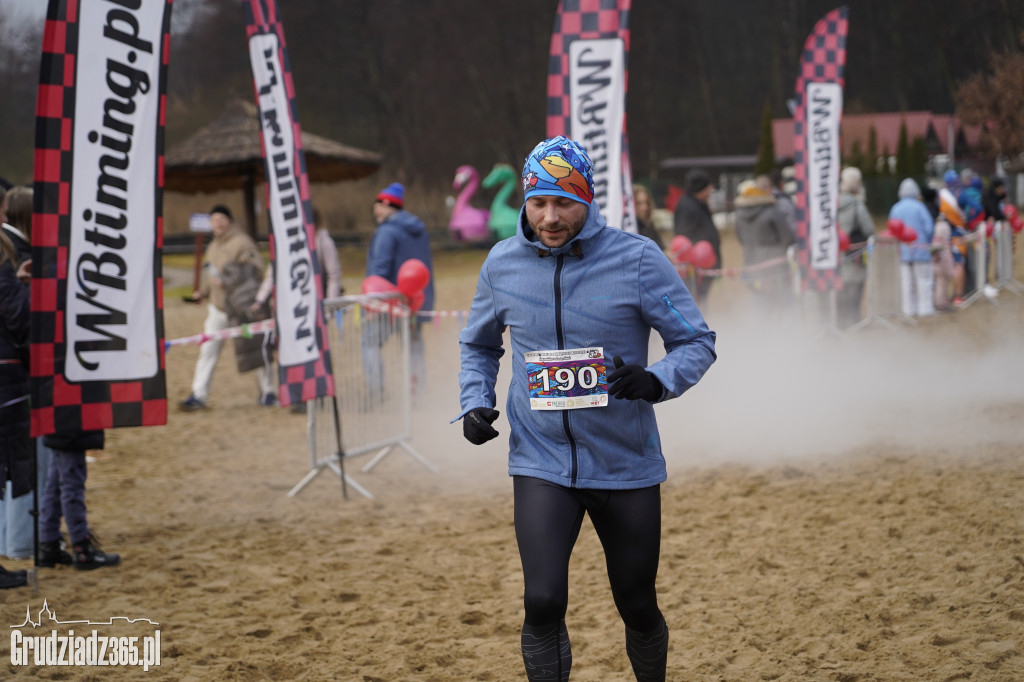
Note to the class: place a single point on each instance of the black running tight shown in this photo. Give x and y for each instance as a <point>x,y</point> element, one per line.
<point>548,518</point>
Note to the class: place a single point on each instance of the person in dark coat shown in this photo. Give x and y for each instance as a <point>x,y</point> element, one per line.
<point>16,218</point>
<point>992,200</point>
<point>693,220</point>
<point>64,496</point>
<point>15,443</point>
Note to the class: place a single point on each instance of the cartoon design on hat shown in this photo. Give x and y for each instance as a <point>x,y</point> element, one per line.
<point>559,166</point>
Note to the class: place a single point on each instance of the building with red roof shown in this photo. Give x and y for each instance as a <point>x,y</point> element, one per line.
<point>942,134</point>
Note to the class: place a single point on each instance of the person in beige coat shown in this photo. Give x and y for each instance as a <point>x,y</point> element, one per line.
<point>765,234</point>
<point>855,220</point>
<point>231,249</point>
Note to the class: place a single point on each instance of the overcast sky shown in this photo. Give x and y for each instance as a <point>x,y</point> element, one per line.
<point>24,10</point>
<point>18,13</point>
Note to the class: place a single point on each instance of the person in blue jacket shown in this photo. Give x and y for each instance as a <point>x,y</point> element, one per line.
<point>580,299</point>
<point>917,275</point>
<point>400,236</point>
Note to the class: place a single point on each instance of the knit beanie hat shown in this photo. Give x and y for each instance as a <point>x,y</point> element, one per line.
<point>392,195</point>
<point>696,180</point>
<point>559,167</point>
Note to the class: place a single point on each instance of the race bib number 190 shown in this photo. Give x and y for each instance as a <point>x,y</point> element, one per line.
<point>567,379</point>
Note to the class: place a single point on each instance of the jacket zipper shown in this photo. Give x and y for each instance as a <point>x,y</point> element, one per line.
<point>574,461</point>
<point>677,314</point>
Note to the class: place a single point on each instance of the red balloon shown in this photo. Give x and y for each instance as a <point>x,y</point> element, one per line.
<point>680,246</point>
<point>909,235</point>
<point>844,240</point>
<point>1010,211</point>
<point>413,276</point>
<point>1017,224</point>
<point>896,228</point>
<point>375,284</point>
<point>702,255</point>
<point>416,301</point>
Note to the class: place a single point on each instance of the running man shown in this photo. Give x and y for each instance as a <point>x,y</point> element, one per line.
<point>580,300</point>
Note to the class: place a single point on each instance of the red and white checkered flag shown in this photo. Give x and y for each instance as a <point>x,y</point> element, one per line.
<point>304,359</point>
<point>97,352</point>
<point>588,76</point>
<point>816,156</point>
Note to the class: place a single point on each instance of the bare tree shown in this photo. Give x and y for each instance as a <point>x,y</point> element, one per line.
<point>995,99</point>
<point>20,48</point>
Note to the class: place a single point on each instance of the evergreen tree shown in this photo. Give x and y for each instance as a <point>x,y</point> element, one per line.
<point>903,153</point>
<point>918,158</point>
<point>766,146</point>
<point>870,168</point>
<point>855,159</point>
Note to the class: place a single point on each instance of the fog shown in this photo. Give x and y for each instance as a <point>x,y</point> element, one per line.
<point>785,389</point>
<point>778,392</point>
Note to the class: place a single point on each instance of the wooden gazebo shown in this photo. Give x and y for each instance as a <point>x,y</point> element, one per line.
<point>225,155</point>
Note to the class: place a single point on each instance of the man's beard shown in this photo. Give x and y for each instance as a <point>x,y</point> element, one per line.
<point>572,230</point>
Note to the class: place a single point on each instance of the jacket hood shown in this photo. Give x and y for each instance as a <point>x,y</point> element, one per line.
<point>851,181</point>
<point>909,189</point>
<point>412,225</point>
<point>593,225</point>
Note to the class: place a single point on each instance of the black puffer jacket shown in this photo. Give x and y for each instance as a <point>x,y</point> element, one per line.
<point>75,441</point>
<point>15,444</point>
<point>21,244</point>
<point>693,220</point>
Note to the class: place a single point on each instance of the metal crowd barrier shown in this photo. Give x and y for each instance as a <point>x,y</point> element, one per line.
<point>370,340</point>
<point>882,288</point>
<point>1004,243</point>
<point>978,245</point>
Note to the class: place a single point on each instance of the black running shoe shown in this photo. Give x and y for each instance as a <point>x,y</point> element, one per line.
<point>88,556</point>
<point>52,553</point>
<point>11,579</point>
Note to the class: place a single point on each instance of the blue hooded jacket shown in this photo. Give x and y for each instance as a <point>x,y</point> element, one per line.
<point>605,288</point>
<point>912,211</point>
<point>399,238</point>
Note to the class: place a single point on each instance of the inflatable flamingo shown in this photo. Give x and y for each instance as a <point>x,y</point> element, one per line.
<point>467,223</point>
<point>503,217</point>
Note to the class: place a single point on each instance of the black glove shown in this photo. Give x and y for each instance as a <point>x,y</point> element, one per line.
<point>633,382</point>
<point>476,425</point>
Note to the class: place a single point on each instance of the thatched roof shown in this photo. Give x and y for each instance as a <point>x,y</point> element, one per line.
<point>226,153</point>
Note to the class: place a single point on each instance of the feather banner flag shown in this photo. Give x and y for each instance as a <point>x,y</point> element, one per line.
<point>587,82</point>
<point>816,160</point>
<point>303,357</point>
<point>97,339</point>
